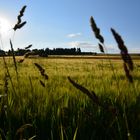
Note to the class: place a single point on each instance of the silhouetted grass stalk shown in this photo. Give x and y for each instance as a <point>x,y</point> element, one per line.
<point>7,69</point>
<point>128,63</point>
<point>127,60</point>
<point>103,49</point>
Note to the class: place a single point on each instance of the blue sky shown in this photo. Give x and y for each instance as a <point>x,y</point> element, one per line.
<point>65,23</point>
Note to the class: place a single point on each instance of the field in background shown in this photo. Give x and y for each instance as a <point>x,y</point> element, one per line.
<point>87,70</point>
<point>98,56</point>
<point>57,110</point>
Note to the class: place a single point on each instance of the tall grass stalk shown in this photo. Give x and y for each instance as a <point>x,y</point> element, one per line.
<point>6,68</point>
<point>103,49</point>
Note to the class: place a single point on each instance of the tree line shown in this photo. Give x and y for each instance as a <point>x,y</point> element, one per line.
<point>46,52</point>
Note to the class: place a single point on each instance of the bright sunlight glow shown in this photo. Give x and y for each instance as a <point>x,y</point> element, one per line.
<point>4,26</point>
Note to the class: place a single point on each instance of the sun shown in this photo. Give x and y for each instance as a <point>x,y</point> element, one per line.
<point>4,25</point>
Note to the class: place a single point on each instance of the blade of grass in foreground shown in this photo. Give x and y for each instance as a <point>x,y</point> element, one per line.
<point>14,59</point>
<point>92,95</point>
<point>103,49</point>
<point>75,134</point>
<point>128,63</point>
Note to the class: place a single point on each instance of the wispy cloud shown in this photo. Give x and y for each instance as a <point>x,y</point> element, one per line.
<point>134,50</point>
<point>74,35</point>
<point>112,48</point>
<point>81,44</point>
<point>89,46</point>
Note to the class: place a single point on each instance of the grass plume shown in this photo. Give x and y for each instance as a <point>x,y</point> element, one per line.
<point>128,63</point>
<point>42,71</point>
<point>19,23</point>
<point>92,95</point>
<point>96,30</point>
<point>42,83</point>
<point>29,46</point>
<point>101,48</point>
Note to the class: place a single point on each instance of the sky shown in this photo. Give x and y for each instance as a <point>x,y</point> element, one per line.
<point>66,23</point>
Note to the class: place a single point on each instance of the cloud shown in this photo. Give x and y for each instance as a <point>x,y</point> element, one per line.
<point>74,35</point>
<point>84,46</point>
<point>112,48</point>
<point>134,50</point>
<point>89,46</point>
<point>81,44</point>
<point>115,49</point>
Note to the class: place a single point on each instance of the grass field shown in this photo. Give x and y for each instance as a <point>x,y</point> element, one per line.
<point>36,108</point>
<point>70,97</point>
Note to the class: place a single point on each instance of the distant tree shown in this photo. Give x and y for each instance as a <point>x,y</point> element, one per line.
<point>21,52</point>
<point>78,51</point>
<point>47,51</point>
<point>2,53</point>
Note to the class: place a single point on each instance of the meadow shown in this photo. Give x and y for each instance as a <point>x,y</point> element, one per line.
<point>70,98</point>
<point>33,107</point>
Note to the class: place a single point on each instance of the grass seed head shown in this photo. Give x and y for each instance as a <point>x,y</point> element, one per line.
<point>45,76</point>
<point>127,73</point>
<point>42,71</point>
<point>18,26</point>
<point>42,83</point>
<point>101,48</point>
<point>96,30</point>
<point>91,95</point>
<point>19,23</point>
<point>124,52</point>
<point>28,47</point>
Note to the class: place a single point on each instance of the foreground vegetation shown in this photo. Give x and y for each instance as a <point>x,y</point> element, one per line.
<point>55,109</point>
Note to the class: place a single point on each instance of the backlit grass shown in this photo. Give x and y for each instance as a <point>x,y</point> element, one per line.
<point>59,110</point>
